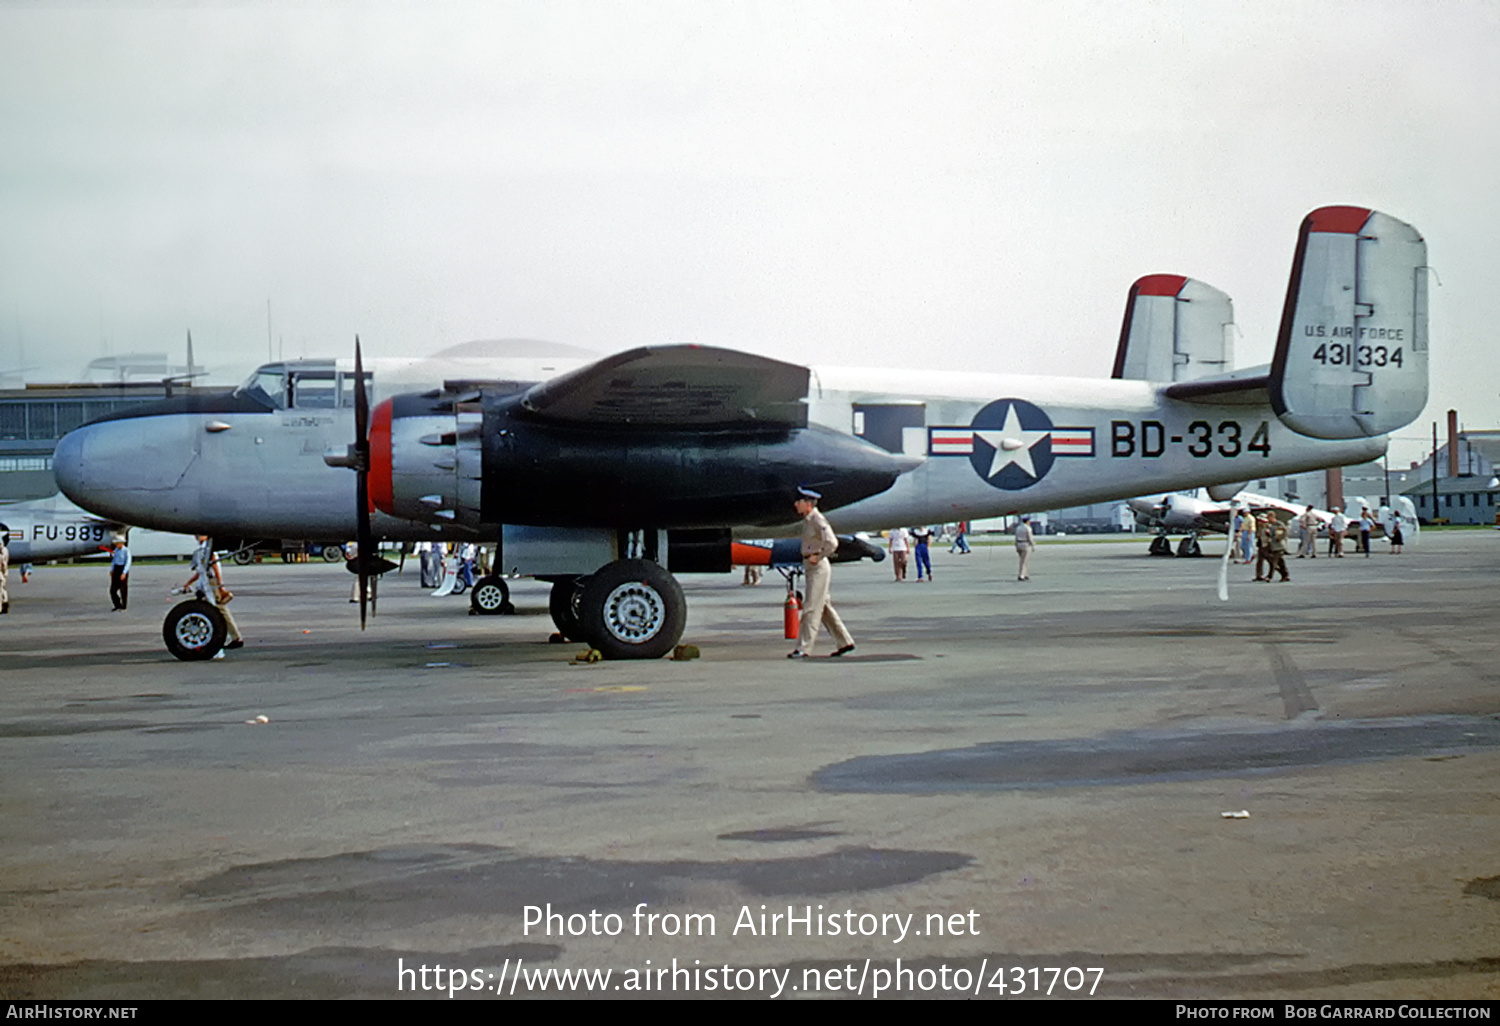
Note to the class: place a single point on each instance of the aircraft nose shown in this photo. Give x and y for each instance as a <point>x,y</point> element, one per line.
<point>112,467</point>
<point>67,464</point>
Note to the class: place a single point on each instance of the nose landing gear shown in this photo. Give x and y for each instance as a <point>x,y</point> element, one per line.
<point>194,630</point>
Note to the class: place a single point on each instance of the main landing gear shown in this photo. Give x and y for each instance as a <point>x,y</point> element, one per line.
<point>1161,545</point>
<point>628,609</point>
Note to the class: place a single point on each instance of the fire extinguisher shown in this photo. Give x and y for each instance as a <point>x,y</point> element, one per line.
<point>792,612</point>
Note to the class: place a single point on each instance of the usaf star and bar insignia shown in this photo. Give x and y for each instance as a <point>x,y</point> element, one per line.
<point>1011,443</point>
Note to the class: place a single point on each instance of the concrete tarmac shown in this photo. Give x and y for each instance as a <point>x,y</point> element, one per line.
<point>1025,777</point>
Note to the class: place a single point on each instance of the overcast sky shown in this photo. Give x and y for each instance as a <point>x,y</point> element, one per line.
<point>968,186</point>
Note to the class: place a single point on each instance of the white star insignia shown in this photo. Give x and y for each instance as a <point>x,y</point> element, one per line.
<point>1012,444</point>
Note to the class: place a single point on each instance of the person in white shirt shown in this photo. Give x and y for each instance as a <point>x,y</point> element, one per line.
<point>207,581</point>
<point>900,543</point>
<point>1336,528</point>
<point>1308,522</point>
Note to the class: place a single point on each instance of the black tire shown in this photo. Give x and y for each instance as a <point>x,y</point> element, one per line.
<point>1161,545</point>
<point>563,604</point>
<point>333,553</point>
<point>490,596</point>
<point>244,557</point>
<point>1189,547</point>
<point>194,630</point>
<point>632,609</point>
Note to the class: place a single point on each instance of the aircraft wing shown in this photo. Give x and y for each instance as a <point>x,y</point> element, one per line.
<point>690,387</point>
<point>1216,519</point>
<point>675,437</point>
<point>1281,513</point>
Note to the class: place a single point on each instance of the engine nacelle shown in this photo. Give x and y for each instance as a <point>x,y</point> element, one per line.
<point>426,459</point>
<point>477,459</point>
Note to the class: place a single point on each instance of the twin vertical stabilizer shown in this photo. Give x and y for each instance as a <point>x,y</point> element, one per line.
<point>1176,329</point>
<point>1351,359</point>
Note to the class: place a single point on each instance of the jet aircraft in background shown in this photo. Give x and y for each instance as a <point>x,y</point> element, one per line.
<point>608,477</point>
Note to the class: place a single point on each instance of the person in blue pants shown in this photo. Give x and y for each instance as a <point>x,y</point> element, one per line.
<point>923,537</point>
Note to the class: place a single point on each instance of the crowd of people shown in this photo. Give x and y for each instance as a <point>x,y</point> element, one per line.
<point>1266,536</point>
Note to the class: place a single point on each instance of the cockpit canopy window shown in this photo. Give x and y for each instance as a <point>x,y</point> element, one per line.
<point>309,385</point>
<point>266,385</point>
<point>313,390</point>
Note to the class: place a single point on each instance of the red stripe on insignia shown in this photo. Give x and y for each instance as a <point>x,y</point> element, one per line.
<point>1072,442</point>
<point>951,443</point>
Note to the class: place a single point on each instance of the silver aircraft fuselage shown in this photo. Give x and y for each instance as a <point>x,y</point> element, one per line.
<point>980,445</point>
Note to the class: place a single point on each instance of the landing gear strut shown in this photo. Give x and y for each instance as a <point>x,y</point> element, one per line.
<point>1161,545</point>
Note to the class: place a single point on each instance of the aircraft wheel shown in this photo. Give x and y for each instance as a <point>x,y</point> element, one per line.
<point>633,609</point>
<point>490,597</point>
<point>1161,545</point>
<point>194,630</point>
<point>244,557</point>
<point>563,604</point>
<point>333,553</point>
<point>1189,547</point>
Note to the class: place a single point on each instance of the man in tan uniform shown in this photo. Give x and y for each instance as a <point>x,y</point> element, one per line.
<point>819,543</point>
<point>1276,550</point>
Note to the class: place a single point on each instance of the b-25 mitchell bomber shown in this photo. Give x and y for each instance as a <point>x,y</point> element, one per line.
<point>608,477</point>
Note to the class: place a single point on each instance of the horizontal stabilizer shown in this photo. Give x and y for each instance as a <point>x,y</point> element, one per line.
<point>1238,388</point>
<point>1176,329</point>
<point>683,386</point>
<point>1351,359</point>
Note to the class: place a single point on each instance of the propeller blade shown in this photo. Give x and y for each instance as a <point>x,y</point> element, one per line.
<point>362,537</point>
<point>361,397</point>
<point>1228,548</point>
